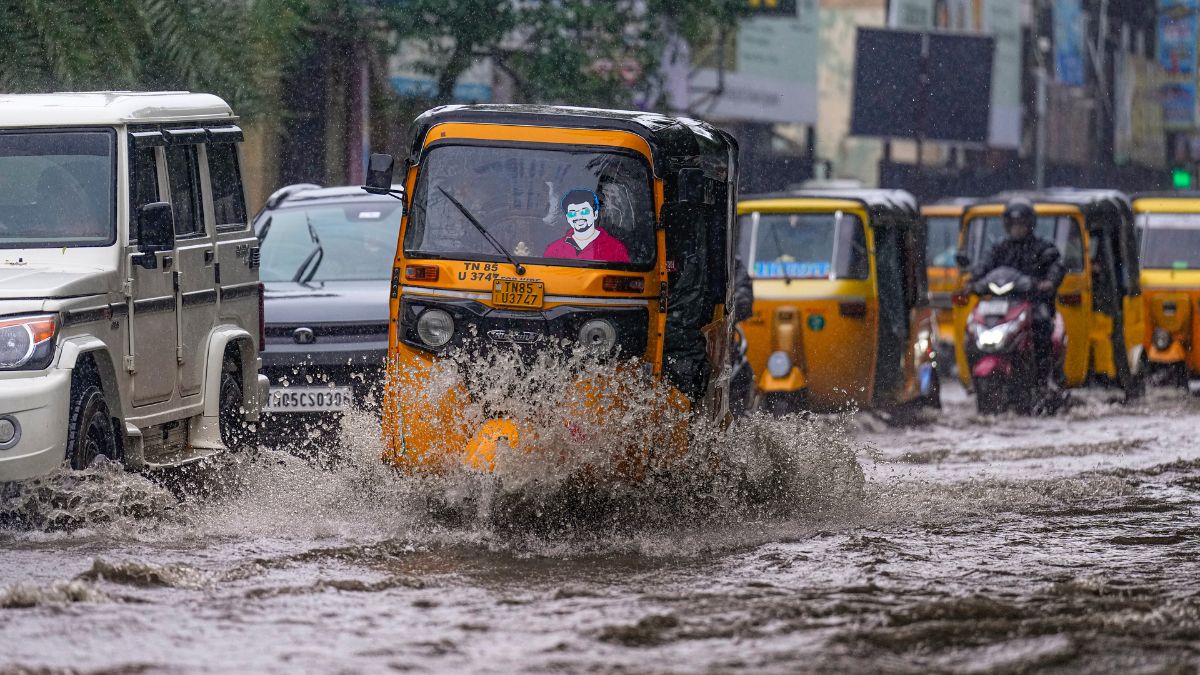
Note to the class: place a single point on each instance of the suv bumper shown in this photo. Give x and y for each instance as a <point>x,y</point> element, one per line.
<point>39,407</point>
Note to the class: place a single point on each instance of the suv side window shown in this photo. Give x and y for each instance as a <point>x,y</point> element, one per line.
<point>143,184</point>
<point>229,203</point>
<point>184,176</point>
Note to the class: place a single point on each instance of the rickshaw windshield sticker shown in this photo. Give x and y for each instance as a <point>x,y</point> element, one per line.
<point>791,270</point>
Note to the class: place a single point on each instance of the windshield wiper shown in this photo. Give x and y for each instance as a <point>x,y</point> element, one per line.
<point>483,230</point>
<point>318,254</point>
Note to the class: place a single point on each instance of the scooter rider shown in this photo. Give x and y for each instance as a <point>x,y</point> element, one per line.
<point>1038,259</point>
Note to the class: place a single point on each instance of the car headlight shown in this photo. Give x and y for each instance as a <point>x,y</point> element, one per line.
<point>779,364</point>
<point>598,335</point>
<point>27,342</point>
<point>435,327</point>
<point>1161,339</point>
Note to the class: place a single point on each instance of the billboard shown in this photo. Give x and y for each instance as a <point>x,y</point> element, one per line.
<point>1177,34</point>
<point>1069,43</point>
<point>935,86</point>
<point>774,77</point>
<point>1002,21</point>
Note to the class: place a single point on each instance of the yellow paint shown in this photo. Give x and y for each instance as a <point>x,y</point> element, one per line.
<point>1179,286</point>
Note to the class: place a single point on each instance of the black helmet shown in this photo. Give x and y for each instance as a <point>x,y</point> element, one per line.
<point>1019,211</point>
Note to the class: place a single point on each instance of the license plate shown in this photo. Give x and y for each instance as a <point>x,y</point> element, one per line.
<point>993,307</point>
<point>518,293</point>
<point>308,399</point>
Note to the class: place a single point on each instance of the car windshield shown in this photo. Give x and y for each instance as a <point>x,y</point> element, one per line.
<point>57,189</point>
<point>1170,240</point>
<point>804,245</point>
<point>986,232</point>
<point>353,241</point>
<point>943,241</point>
<point>545,206</point>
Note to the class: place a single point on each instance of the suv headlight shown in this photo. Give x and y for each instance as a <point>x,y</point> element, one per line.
<point>27,342</point>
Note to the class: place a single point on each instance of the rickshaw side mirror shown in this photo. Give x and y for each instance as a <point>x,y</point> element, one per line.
<point>379,174</point>
<point>694,188</point>
<point>962,259</point>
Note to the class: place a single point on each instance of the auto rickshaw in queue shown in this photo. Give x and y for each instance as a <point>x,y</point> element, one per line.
<point>527,226</point>
<point>1100,297</point>
<point>841,306</point>
<point>942,221</point>
<point>1169,241</point>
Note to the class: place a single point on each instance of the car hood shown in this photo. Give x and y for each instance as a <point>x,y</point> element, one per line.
<point>328,302</point>
<point>39,281</point>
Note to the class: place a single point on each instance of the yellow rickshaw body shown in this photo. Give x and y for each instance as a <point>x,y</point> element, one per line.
<point>1092,348</point>
<point>424,429</point>
<point>1171,294</point>
<point>943,274</point>
<point>830,327</point>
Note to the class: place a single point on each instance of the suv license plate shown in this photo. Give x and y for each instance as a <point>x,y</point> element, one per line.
<point>308,399</point>
<point>518,293</point>
<point>993,307</point>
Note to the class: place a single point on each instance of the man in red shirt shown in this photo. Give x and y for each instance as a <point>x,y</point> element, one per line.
<point>585,241</point>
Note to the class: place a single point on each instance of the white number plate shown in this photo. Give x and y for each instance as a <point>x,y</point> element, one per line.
<point>308,399</point>
<point>993,307</point>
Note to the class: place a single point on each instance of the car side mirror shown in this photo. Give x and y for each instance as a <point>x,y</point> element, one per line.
<point>694,187</point>
<point>379,174</point>
<point>155,232</point>
<point>962,260</point>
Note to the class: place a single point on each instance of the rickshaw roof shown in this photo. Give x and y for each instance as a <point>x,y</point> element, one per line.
<point>895,204</point>
<point>671,139</point>
<point>1090,203</point>
<point>1168,202</point>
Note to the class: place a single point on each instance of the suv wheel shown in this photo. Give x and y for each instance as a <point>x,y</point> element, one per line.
<point>90,433</point>
<point>234,431</point>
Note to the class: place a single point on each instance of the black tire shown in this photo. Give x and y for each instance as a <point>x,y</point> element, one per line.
<point>990,397</point>
<point>235,433</point>
<point>90,431</point>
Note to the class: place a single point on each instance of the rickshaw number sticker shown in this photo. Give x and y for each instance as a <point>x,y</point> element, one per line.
<point>518,293</point>
<point>791,270</point>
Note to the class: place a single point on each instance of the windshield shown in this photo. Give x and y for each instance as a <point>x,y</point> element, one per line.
<point>57,189</point>
<point>986,232</point>
<point>357,242</point>
<point>576,207</point>
<point>1170,240</point>
<point>804,245</point>
<point>943,241</point>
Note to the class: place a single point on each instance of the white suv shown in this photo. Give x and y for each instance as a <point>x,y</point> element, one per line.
<point>130,306</point>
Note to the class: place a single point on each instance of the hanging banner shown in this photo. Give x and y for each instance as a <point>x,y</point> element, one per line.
<point>1069,43</point>
<point>1177,34</point>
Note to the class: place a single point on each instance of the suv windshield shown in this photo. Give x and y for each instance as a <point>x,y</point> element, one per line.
<point>804,245</point>
<point>57,189</point>
<point>545,206</point>
<point>1170,240</point>
<point>353,242</point>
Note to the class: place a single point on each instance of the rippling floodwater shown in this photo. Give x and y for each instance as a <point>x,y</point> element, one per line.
<point>974,545</point>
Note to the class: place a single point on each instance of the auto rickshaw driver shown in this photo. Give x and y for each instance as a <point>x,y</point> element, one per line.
<point>1038,259</point>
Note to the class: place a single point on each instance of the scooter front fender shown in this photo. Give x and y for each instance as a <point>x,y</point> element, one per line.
<point>992,365</point>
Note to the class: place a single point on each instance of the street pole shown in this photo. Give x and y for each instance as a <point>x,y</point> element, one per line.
<point>1039,152</point>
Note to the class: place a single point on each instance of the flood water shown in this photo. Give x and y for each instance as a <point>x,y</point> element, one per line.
<point>964,545</point>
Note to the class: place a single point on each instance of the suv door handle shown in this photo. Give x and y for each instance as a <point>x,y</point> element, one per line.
<point>208,257</point>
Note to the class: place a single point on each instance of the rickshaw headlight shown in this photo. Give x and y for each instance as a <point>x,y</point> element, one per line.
<point>435,327</point>
<point>779,364</point>
<point>598,335</point>
<point>1161,339</point>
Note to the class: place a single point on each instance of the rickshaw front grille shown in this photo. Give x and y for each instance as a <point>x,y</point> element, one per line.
<point>482,328</point>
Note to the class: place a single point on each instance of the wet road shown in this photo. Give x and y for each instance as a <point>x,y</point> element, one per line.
<point>974,545</point>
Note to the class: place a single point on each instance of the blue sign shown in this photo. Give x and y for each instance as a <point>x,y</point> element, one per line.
<point>464,92</point>
<point>1069,43</point>
<point>1177,37</point>
<point>791,270</point>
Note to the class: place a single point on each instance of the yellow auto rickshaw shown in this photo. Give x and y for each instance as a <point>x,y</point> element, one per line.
<point>841,306</point>
<point>1169,233</point>
<point>528,227</point>
<point>942,221</point>
<point>1100,297</point>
